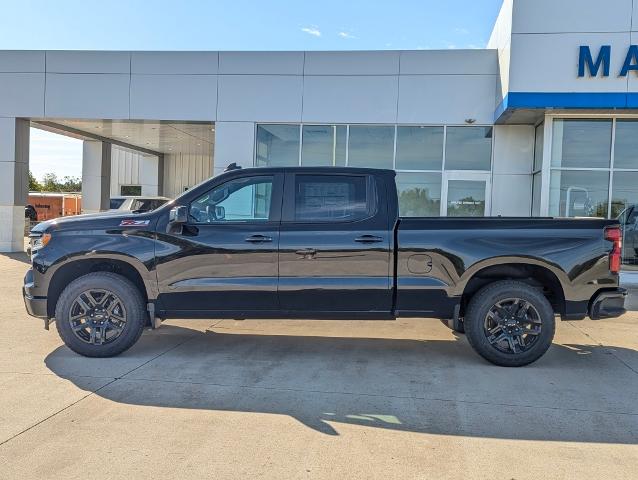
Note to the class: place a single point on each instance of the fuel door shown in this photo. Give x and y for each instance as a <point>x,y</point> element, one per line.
<point>420,264</point>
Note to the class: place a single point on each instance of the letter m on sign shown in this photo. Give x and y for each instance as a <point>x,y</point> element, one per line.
<point>586,60</point>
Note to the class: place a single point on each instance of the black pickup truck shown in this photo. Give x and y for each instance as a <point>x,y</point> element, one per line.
<point>320,243</point>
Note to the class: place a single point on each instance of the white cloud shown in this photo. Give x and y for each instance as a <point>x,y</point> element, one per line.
<point>312,30</point>
<point>346,35</point>
<point>461,31</point>
<point>451,47</point>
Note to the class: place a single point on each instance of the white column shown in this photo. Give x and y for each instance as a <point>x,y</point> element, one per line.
<point>512,170</point>
<point>96,176</point>
<point>14,183</point>
<point>149,175</point>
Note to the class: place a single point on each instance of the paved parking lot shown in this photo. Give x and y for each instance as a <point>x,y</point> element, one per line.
<point>313,399</point>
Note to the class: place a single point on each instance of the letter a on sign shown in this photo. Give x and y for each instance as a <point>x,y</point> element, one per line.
<point>631,61</point>
<point>586,60</point>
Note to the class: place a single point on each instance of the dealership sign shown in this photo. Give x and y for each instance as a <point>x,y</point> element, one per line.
<point>601,64</point>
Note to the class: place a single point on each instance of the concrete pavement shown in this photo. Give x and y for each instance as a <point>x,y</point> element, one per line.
<point>313,399</point>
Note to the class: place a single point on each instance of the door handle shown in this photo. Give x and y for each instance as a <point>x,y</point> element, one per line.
<point>307,252</point>
<point>368,239</point>
<point>259,239</point>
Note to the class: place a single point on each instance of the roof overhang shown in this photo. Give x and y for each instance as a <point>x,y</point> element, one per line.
<point>517,107</point>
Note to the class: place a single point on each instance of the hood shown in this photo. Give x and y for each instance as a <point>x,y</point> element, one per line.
<point>89,220</point>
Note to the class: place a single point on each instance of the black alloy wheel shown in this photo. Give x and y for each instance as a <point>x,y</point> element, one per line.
<point>97,316</point>
<point>101,314</point>
<point>512,325</point>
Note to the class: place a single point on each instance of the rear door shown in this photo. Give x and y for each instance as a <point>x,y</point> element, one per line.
<point>334,247</point>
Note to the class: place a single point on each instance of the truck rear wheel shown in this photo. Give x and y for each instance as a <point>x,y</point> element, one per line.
<point>100,314</point>
<point>510,323</point>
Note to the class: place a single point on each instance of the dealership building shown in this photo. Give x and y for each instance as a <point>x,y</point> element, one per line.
<point>541,122</point>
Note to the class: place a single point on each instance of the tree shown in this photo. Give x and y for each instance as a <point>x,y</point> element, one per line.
<point>71,184</point>
<point>51,183</point>
<point>417,202</point>
<point>34,185</point>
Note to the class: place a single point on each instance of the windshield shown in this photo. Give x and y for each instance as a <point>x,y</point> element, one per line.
<point>147,204</point>
<point>116,203</point>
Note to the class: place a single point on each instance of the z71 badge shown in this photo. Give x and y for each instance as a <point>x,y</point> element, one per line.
<point>134,223</point>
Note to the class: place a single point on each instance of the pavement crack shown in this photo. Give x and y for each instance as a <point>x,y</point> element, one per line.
<point>157,356</point>
<point>40,422</point>
<point>56,413</point>
<point>606,347</point>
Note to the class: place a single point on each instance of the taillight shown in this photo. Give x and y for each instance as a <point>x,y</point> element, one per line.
<point>614,234</point>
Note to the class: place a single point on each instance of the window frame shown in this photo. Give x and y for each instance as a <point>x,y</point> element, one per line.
<point>289,206</point>
<point>395,126</point>
<point>274,215</point>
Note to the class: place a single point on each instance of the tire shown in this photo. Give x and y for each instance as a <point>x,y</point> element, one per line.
<point>121,300</point>
<point>454,325</point>
<point>497,308</point>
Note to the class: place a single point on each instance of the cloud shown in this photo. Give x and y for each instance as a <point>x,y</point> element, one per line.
<point>461,31</point>
<point>346,35</point>
<point>312,30</point>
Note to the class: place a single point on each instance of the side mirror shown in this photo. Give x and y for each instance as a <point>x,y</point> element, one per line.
<point>220,212</point>
<point>178,215</point>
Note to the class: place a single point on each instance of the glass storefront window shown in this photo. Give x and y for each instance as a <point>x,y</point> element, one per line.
<point>277,145</point>
<point>580,143</point>
<point>624,192</point>
<point>624,206</point>
<point>468,148</point>
<point>371,146</point>
<point>323,145</point>
<point>579,193</point>
<point>466,198</point>
<point>419,148</point>
<point>419,194</point>
<point>626,147</point>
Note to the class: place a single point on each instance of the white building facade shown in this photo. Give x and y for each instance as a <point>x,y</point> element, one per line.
<point>541,122</point>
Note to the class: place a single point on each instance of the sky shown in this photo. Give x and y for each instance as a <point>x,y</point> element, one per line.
<point>234,25</point>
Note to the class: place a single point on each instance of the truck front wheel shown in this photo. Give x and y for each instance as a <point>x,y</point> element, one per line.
<point>100,314</point>
<point>510,323</point>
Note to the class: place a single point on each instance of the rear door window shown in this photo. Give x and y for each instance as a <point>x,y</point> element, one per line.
<point>333,198</point>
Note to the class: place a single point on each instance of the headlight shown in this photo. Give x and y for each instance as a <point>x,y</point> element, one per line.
<point>40,242</point>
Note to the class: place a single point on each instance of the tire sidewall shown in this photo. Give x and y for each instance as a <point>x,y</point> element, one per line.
<point>484,300</point>
<point>128,294</point>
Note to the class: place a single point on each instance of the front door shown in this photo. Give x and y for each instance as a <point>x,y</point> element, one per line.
<point>334,253</point>
<point>466,194</point>
<point>225,258</point>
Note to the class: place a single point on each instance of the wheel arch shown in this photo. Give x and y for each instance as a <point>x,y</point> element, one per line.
<point>76,268</point>
<point>535,273</point>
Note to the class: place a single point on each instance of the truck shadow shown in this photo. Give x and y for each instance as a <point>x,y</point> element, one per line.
<point>576,393</point>
<point>21,257</point>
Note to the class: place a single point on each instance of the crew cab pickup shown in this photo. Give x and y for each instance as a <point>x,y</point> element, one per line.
<point>320,242</point>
